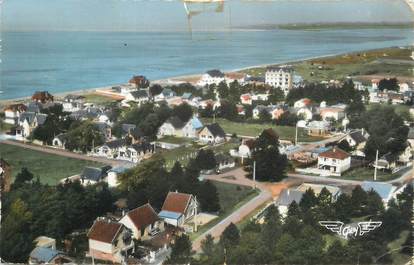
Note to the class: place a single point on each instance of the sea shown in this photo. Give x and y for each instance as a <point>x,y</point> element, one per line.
<point>71,61</point>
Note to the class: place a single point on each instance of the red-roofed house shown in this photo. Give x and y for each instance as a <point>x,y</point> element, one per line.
<point>178,208</point>
<point>109,241</point>
<point>334,160</point>
<point>143,222</point>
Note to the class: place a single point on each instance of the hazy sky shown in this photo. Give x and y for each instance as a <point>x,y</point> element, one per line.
<point>157,15</point>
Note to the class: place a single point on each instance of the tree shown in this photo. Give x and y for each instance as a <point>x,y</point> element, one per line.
<point>181,250</point>
<point>234,92</point>
<point>230,236</point>
<point>308,200</point>
<point>264,116</point>
<point>15,233</point>
<point>84,137</point>
<point>270,164</point>
<point>205,159</point>
<point>183,111</point>
<point>344,145</point>
<point>208,197</point>
<point>343,208</point>
<point>374,203</point>
<point>388,84</point>
<point>223,90</point>
<point>358,201</point>
<point>22,177</point>
<point>155,89</point>
<point>276,96</point>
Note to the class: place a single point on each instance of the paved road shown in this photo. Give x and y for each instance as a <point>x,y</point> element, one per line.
<point>65,153</point>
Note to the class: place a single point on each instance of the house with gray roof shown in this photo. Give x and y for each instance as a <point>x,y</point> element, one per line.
<point>174,126</point>
<point>48,255</point>
<point>93,175</point>
<point>286,197</point>
<point>212,134</point>
<point>28,121</point>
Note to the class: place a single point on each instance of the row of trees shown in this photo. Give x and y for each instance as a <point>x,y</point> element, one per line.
<point>150,182</point>
<point>32,209</point>
<point>299,239</point>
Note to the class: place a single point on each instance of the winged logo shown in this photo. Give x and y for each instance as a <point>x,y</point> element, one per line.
<point>354,229</point>
<point>365,227</point>
<point>334,226</point>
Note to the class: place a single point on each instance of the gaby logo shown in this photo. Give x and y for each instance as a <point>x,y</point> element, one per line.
<point>354,230</point>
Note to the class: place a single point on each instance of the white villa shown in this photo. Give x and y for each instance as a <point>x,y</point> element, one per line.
<point>280,76</point>
<point>335,161</point>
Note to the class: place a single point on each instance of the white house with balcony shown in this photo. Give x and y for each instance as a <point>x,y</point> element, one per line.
<point>335,161</point>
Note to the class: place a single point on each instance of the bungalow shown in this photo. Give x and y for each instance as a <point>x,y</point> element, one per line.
<point>318,128</point>
<point>12,113</point>
<point>356,139</point>
<point>211,77</point>
<point>388,161</point>
<point>135,152</point>
<point>332,113</point>
<point>164,95</point>
<point>334,160</point>
<point>174,126</point>
<point>48,255</point>
<point>59,141</point>
<point>212,134</point>
<point>246,99</point>
<point>285,199</point>
<point>42,97</point>
<point>110,241</point>
<point>317,188</point>
<point>138,96</point>
<point>110,148</point>
<point>28,121</point>
<point>384,190</point>
<point>178,208</point>
<point>93,175</point>
<point>224,162</point>
<point>143,222</point>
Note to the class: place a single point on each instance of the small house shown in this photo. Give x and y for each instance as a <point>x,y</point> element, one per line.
<point>110,241</point>
<point>143,221</point>
<point>59,141</point>
<point>93,175</point>
<point>211,77</point>
<point>224,162</point>
<point>12,113</point>
<point>48,255</point>
<point>318,128</point>
<point>178,208</point>
<point>212,134</point>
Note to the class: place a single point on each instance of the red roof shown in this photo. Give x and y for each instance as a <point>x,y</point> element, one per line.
<point>104,231</point>
<point>307,101</point>
<point>42,96</point>
<point>176,202</point>
<point>335,153</point>
<point>143,216</point>
<point>16,107</point>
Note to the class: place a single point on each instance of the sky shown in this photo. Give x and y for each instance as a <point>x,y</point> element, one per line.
<point>169,15</point>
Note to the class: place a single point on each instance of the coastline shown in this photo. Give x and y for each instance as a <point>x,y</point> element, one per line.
<point>186,78</point>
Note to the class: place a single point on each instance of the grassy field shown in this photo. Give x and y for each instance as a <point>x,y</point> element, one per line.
<point>49,168</point>
<point>359,65</point>
<point>180,154</point>
<point>98,99</point>
<point>174,140</point>
<point>231,198</point>
<point>363,173</point>
<point>254,129</point>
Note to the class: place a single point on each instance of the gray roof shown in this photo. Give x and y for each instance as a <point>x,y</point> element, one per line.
<point>116,143</point>
<point>287,196</point>
<point>92,173</point>
<point>34,107</point>
<point>139,94</point>
<point>41,118</point>
<point>216,130</point>
<point>143,147</point>
<point>167,92</point>
<point>176,122</point>
<point>126,127</point>
<point>29,116</point>
<point>285,68</point>
<point>101,126</point>
<point>358,137</point>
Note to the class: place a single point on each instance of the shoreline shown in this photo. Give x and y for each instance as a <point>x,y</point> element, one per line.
<point>183,78</point>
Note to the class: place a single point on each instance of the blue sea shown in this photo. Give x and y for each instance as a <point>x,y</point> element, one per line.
<point>68,61</point>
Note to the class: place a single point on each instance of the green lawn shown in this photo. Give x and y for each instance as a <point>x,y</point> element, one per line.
<point>363,173</point>
<point>180,154</point>
<point>231,198</point>
<point>49,168</point>
<point>254,129</point>
<point>98,99</point>
<point>174,140</point>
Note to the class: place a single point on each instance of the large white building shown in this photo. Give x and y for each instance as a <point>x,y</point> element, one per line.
<point>280,76</point>
<point>211,77</point>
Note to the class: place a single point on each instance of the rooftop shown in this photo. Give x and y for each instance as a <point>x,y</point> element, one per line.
<point>176,202</point>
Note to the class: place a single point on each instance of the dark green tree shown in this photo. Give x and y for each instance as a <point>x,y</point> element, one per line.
<point>181,250</point>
